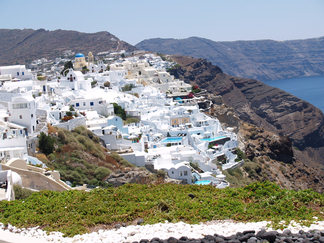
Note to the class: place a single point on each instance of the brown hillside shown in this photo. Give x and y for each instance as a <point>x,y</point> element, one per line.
<point>22,46</point>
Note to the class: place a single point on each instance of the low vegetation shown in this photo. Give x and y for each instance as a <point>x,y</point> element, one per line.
<point>75,212</point>
<point>119,111</point>
<point>127,87</point>
<point>79,156</point>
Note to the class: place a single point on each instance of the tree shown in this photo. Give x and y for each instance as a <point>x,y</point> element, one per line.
<point>46,143</point>
<point>84,69</point>
<point>119,111</point>
<point>67,66</point>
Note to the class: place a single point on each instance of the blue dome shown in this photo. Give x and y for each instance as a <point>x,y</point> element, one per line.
<point>79,55</point>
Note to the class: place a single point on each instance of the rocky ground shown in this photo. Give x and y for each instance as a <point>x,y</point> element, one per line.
<point>215,231</point>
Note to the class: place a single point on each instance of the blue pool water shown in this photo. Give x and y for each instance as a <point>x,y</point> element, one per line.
<point>213,139</point>
<point>35,161</point>
<point>172,140</point>
<point>310,89</point>
<point>205,182</point>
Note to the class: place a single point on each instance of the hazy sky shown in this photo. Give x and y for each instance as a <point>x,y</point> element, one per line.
<point>135,20</point>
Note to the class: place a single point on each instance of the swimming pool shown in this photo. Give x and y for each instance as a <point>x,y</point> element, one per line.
<point>35,161</point>
<point>172,140</point>
<point>204,182</point>
<point>213,139</point>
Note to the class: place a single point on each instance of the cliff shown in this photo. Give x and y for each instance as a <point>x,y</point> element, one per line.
<point>298,124</point>
<point>261,59</point>
<point>21,46</point>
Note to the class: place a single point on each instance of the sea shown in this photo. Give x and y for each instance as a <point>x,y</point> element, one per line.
<point>310,89</point>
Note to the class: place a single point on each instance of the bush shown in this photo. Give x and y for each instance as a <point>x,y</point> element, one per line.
<point>76,212</point>
<point>46,143</point>
<point>119,111</point>
<point>101,173</point>
<point>127,87</point>
<point>107,84</point>
<point>21,193</point>
<point>93,83</point>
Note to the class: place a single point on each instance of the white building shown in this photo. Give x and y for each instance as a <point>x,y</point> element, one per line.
<point>15,72</point>
<point>22,110</point>
<point>13,142</point>
<point>74,80</point>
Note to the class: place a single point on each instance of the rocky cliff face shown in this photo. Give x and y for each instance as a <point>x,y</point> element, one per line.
<point>262,59</point>
<point>299,124</point>
<point>21,46</point>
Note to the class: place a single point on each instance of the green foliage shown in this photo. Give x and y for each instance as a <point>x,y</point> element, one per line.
<point>69,113</point>
<point>196,167</point>
<point>21,193</point>
<point>121,160</point>
<point>93,83</point>
<point>101,173</point>
<point>240,154</point>
<point>67,66</point>
<point>74,212</point>
<point>119,111</point>
<point>84,69</point>
<point>127,87</point>
<point>132,120</point>
<point>41,78</point>
<point>45,143</point>
<point>81,159</point>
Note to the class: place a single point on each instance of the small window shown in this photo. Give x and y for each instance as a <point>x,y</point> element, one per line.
<point>20,116</point>
<point>100,102</point>
<point>84,104</point>
<point>77,104</point>
<point>185,173</point>
<point>23,73</point>
<point>32,115</point>
<point>91,103</point>
<point>17,73</point>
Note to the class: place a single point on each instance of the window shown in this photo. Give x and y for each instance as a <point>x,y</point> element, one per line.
<point>20,116</point>
<point>23,73</point>
<point>32,115</point>
<point>77,104</point>
<point>100,102</point>
<point>91,103</point>
<point>185,173</point>
<point>84,104</point>
<point>180,173</point>
<point>17,73</point>
<point>19,106</point>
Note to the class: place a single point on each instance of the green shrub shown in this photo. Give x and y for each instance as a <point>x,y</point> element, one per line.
<point>74,212</point>
<point>45,143</point>
<point>119,111</point>
<point>127,87</point>
<point>101,173</point>
<point>21,193</point>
